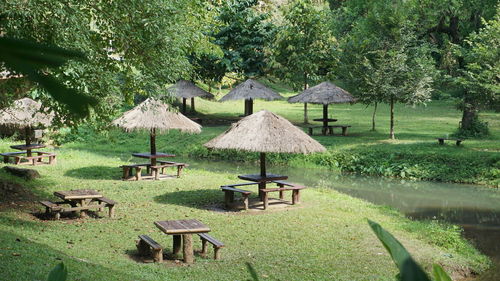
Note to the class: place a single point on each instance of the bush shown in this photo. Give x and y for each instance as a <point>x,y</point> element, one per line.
<point>477,130</point>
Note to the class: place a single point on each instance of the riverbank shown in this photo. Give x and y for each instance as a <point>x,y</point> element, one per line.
<point>326,237</point>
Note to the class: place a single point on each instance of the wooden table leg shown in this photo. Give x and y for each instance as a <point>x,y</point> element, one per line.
<point>177,245</point>
<point>262,185</point>
<point>187,248</point>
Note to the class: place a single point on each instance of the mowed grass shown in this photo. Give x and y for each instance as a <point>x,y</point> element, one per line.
<point>324,238</point>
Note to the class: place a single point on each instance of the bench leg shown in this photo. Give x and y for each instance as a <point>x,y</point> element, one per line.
<point>52,160</point>
<point>187,248</point>
<point>441,142</point>
<point>330,130</point>
<point>111,211</point>
<point>324,131</point>
<point>344,131</point>
<point>177,245</point>
<point>458,143</point>
<point>204,247</point>
<point>6,159</point>
<point>179,171</point>
<point>266,200</point>
<point>157,255</point>
<point>228,198</point>
<point>17,160</point>
<point>126,173</point>
<point>216,253</point>
<point>138,173</point>
<point>57,215</point>
<point>155,173</point>
<point>282,195</point>
<point>295,197</point>
<point>310,130</point>
<point>245,201</point>
<point>142,248</point>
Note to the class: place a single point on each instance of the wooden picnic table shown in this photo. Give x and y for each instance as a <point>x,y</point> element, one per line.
<point>83,198</point>
<point>28,147</point>
<point>26,154</point>
<point>262,180</point>
<point>184,229</point>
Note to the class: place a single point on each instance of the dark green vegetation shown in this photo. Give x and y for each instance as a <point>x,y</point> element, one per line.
<point>325,237</point>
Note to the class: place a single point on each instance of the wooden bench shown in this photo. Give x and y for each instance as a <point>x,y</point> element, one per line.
<point>34,159</point>
<point>127,171</point>
<point>441,141</point>
<point>59,207</point>
<point>216,243</point>
<point>197,120</point>
<point>344,129</point>
<point>108,203</point>
<point>160,168</point>
<point>149,247</point>
<point>229,191</point>
<point>329,129</point>
<point>283,186</point>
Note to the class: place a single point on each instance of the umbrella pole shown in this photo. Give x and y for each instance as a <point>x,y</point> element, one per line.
<point>250,107</point>
<point>192,105</point>
<point>152,142</point>
<point>27,131</point>
<point>183,105</point>
<point>325,117</point>
<point>262,184</point>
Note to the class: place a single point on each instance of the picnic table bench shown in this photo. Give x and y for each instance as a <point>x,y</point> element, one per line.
<point>19,156</point>
<point>78,201</point>
<point>205,239</point>
<point>149,247</point>
<point>230,189</point>
<point>283,186</point>
<point>155,170</point>
<point>441,140</point>
<point>328,129</point>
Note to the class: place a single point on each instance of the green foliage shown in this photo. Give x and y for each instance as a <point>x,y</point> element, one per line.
<point>242,33</point>
<point>59,273</point>
<point>305,49</point>
<point>477,129</point>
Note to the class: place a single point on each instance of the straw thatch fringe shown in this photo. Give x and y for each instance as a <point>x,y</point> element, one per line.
<point>324,93</point>
<point>187,89</point>
<point>265,131</point>
<point>251,89</point>
<point>154,114</point>
<point>25,113</point>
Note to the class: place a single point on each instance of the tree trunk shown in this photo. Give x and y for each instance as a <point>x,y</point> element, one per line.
<point>469,113</point>
<point>373,116</point>
<point>192,105</point>
<point>391,133</point>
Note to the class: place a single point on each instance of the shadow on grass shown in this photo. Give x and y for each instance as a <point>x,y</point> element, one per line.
<point>198,198</point>
<point>95,173</point>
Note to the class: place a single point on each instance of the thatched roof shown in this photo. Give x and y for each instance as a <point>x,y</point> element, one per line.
<point>265,131</point>
<point>154,114</point>
<point>323,93</point>
<point>25,113</point>
<point>251,89</point>
<point>187,89</point>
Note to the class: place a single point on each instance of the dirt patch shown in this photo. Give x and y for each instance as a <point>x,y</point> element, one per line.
<point>15,196</point>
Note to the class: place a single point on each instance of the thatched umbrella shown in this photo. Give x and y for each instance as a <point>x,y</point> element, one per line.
<point>324,93</point>
<point>265,132</point>
<point>188,90</point>
<point>154,116</point>
<point>25,114</point>
<point>250,90</point>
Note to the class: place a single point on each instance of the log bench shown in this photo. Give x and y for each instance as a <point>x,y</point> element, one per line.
<point>149,247</point>
<point>160,167</point>
<point>205,239</point>
<point>441,141</point>
<point>128,174</point>
<point>19,156</point>
<point>283,186</point>
<point>57,208</point>
<point>229,191</point>
<point>344,129</point>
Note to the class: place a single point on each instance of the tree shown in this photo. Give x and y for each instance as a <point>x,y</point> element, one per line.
<point>305,48</point>
<point>242,33</point>
<point>446,25</point>
<point>385,61</point>
<point>131,46</point>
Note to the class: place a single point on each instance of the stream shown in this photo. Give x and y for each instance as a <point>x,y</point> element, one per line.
<point>473,207</point>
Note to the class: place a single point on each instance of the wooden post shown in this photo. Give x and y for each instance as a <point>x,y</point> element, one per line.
<point>216,253</point>
<point>187,248</point>
<point>266,200</point>
<point>204,247</point>
<point>177,245</point>
<point>111,211</point>
<point>183,105</point>
<point>262,185</point>
<point>27,131</point>
<point>192,105</point>
<point>138,173</point>
<point>152,140</point>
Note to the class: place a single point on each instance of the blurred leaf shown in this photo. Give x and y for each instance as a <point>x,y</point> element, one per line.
<point>440,274</point>
<point>59,273</point>
<point>408,268</point>
<point>29,58</point>
<point>252,271</point>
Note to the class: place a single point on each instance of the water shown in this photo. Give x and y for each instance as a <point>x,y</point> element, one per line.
<point>475,208</point>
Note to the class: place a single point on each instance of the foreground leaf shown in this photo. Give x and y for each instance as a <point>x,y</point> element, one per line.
<point>59,273</point>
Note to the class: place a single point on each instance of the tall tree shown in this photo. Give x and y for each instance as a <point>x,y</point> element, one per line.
<point>383,61</point>
<point>305,49</point>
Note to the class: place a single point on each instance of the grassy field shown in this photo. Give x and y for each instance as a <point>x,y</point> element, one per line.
<point>325,238</point>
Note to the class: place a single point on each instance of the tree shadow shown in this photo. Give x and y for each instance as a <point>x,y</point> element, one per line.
<point>198,198</point>
<point>95,173</point>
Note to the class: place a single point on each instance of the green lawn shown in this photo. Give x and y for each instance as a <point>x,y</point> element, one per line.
<point>325,238</point>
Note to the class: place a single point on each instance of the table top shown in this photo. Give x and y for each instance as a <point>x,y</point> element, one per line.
<point>327,120</point>
<point>25,147</point>
<point>182,226</point>
<point>152,156</point>
<point>259,178</point>
<point>78,194</point>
